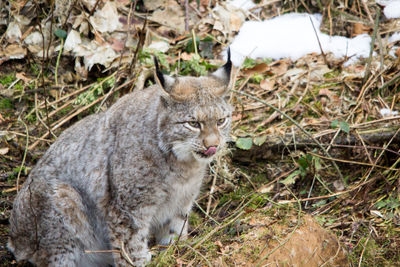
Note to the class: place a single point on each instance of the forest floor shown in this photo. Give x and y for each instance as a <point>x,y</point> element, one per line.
<point>311,175</point>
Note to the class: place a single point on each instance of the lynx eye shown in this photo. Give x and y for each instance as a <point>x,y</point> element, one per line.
<point>194,124</point>
<point>220,122</point>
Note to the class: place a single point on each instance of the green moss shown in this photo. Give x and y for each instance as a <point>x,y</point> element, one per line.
<point>7,79</point>
<point>6,103</point>
<point>370,251</point>
<point>260,178</point>
<point>257,78</point>
<point>332,74</point>
<point>195,219</point>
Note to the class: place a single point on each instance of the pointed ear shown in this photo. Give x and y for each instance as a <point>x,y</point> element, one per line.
<point>224,74</point>
<point>164,82</point>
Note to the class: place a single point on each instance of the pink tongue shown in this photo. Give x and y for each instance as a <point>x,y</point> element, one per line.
<point>210,151</point>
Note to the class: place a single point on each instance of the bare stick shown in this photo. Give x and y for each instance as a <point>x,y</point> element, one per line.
<point>368,69</point>
<point>94,8</point>
<point>25,152</point>
<point>186,15</point>
<point>142,37</point>
<point>319,43</point>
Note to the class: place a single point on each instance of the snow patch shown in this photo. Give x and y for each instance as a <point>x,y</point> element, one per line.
<point>292,36</point>
<point>243,4</point>
<point>392,8</point>
<point>394,38</point>
<point>386,112</point>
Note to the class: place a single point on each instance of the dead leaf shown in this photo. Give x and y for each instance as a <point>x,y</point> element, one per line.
<point>267,84</point>
<point>159,46</point>
<point>103,55</point>
<point>117,45</point>
<point>265,189</point>
<point>328,93</point>
<point>154,4</point>
<point>186,56</point>
<point>54,93</point>
<point>27,32</point>
<point>13,33</point>
<point>317,74</point>
<point>397,53</point>
<point>4,150</point>
<point>172,16</point>
<point>218,26</point>
<point>21,76</point>
<point>13,51</point>
<point>280,67</point>
<point>237,117</point>
<point>359,28</point>
<point>260,68</point>
<point>228,18</point>
<point>98,38</point>
<point>339,186</point>
<point>72,41</point>
<point>106,19</point>
<point>236,22</point>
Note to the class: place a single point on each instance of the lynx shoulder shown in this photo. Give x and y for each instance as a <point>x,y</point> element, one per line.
<point>116,178</point>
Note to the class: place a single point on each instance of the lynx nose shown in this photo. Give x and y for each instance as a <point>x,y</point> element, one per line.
<point>211,142</point>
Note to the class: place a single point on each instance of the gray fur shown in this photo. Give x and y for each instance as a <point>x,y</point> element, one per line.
<point>121,176</point>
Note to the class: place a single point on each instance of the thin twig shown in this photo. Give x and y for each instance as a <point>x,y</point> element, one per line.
<point>94,8</point>
<point>142,38</point>
<point>198,253</point>
<point>216,229</point>
<point>211,192</point>
<point>25,152</point>
<point>103,251</point>
<point>319,43</point>
<point>205,213</point>
<point>389,83</point>
<point>44,59</point>
<point>365,246</point>
<point>187,15</point>
<point>368,69</point>
<point>354,162</point>
<point>58,61</point>
<point>125,255</point>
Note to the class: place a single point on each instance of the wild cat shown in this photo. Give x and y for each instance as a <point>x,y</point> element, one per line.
<point>116,178</point>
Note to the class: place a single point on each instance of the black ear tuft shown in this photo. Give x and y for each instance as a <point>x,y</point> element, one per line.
<point>228,65</point>
<point>159,74</point>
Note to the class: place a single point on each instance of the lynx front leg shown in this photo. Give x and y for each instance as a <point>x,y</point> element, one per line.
<point>129,236</point>
<point>172,229</point>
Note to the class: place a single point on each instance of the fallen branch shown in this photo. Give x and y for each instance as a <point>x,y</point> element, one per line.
<point>271,148</point>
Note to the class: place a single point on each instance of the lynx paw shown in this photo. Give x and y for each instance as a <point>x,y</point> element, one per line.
<point>172,237</point>
<point>168,239</point>
<point>139,260</point>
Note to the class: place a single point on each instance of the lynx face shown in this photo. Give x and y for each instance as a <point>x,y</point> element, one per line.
<point>197,120</point>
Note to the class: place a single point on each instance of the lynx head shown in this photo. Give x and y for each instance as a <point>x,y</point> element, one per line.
<point>196,117</point>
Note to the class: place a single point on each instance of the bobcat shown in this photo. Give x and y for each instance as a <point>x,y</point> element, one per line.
<point>116,178</point>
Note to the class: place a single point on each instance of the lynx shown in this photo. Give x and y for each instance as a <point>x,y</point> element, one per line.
<point>115,179</point>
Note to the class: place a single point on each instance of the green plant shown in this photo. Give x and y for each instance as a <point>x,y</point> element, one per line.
<point>5,103</point>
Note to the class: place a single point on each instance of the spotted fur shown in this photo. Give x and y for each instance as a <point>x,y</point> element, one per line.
<point>115,178</point>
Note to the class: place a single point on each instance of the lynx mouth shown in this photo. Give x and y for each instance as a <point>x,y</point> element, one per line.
<point>202,155</point>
